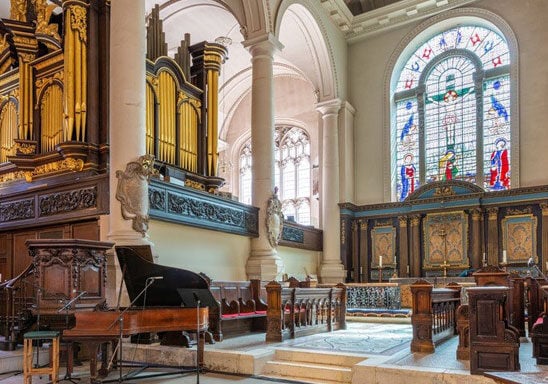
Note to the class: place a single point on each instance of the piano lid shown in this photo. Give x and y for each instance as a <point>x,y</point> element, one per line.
<point>176,288</point>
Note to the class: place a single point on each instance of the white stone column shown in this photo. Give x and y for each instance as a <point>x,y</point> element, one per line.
<point>331,268</point>
<point>127,105</point>
<point>263,262</point>
<point>127,124</point>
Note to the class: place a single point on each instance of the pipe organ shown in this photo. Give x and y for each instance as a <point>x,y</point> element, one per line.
<point>44,89</point>
<point>182,107</point>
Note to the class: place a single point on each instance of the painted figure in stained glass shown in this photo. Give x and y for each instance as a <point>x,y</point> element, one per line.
<point>407,173</point>
<point>448,166</point>
<point>410,127</point>
<point>500,166</point>
<point>497,111</point>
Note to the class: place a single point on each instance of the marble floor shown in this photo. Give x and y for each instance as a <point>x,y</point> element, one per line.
<point>381,351</point>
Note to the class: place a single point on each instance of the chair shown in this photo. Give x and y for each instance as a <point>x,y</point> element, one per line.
<point>28,350</point>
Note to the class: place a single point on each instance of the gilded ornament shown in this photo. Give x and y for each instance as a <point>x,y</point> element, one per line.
<point>43,15</point>
<point>78,18</point>
<point>445,190</point>
<point>26,148</point>
<point>18,10</point>
<point>195,185</point>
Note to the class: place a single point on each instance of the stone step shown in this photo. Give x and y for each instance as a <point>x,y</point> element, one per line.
<point>317,357</point>
<point>300,371</point>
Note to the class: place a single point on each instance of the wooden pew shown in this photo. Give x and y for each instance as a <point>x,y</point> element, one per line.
<point>494,345</point>
<point>434,315</point>
<point>539,331</point>
<point>293,312</point>
<point>242,308</point>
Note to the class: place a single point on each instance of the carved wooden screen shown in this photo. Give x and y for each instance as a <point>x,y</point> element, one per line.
<point>8,130</point>
<point>51,118</point>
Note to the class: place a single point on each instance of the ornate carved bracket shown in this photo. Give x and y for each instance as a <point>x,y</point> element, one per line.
<point>274,219</point>
<point>132,191</point>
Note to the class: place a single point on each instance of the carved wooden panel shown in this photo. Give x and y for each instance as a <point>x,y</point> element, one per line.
<point>445,240</point>
<point>383,242</point>
<point>519,238</point>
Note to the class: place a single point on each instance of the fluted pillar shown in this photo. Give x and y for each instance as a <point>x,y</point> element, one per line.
<point>493,237</point>
<point>263,262</point>
<point>476,259</point>
<point>331,268</point>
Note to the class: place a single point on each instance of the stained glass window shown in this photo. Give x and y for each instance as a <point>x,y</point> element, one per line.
<point>292,172</point>
<point>452,112</point>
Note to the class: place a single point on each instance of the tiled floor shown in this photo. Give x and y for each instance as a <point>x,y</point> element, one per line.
<point>391,354</point>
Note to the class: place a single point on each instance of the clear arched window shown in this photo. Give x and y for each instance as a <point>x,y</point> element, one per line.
<point>292,172</point>
<point>452,112</point>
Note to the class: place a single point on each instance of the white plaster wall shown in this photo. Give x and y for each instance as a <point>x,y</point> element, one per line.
<point>297,261</point>
<point>368,59</point>
<point>219,255</point>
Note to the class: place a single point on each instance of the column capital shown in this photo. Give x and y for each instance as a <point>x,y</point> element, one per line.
<point>264,45</point>
<point>329,107</point>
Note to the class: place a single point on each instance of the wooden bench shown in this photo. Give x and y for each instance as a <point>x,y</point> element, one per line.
<point>539,330</point>
<point>494,344</point>
<point>294,312</point>
<point>241,308</point>
<point>434,315</point>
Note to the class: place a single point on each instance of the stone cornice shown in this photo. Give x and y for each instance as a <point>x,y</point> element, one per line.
<point>356,28</point>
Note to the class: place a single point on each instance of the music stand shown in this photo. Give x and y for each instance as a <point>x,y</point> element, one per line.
<point>120,322</point>
<point>65,308</point>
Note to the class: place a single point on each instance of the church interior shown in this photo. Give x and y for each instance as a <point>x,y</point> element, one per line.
<point>195,177</point>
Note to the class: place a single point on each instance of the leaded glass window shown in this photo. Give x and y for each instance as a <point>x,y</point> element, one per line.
<point>452,112</point>
<point>292,172</point>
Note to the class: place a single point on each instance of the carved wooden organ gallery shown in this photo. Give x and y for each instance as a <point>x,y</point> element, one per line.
<point>443,229</point>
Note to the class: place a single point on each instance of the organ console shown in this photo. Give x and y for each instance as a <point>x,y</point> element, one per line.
<point>178,301</point>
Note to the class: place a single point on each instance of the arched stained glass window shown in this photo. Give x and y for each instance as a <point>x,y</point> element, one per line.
<point>292,172</point>
<point>452,112</point>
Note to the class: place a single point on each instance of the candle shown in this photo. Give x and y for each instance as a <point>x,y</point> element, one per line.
<point>380,261</point>
<point>408,267</point>
<point>504,260</point>
<point>484,258</point>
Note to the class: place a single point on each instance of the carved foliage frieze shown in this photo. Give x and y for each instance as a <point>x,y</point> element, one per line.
<point>295,235</point>
<point>202,210</point>
<point>17,210</point>
<point>66,201</point>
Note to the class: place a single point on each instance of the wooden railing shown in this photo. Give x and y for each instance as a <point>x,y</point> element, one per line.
<point>16,300</point>
<point>295,312</point>
<point>434,315</point>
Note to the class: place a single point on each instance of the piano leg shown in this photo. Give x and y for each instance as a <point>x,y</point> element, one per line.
<point>200,350</point>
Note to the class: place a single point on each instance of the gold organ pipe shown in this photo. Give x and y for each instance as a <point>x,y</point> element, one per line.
<point>162,117</point>
<point>77,95</point>
<point>214,123</point>
<point>172,125</point>
<point>209,123</point>
<point>69,77</point>
<point>84,85</point>
<point>149,121</point>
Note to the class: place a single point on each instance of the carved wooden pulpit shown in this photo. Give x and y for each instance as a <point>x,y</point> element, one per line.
<point>66,268</point>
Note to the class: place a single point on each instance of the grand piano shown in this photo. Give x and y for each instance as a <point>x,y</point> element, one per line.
<point>175,301</point>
